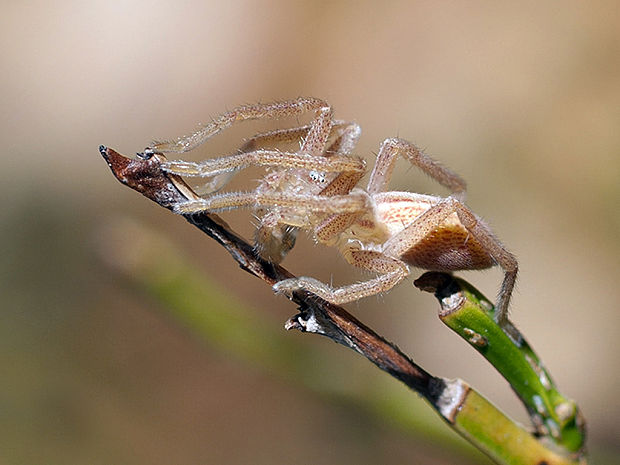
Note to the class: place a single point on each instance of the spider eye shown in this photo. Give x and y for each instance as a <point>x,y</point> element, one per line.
<point>317,176</point>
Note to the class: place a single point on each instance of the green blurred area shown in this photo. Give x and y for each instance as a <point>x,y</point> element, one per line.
<point>522,100</point>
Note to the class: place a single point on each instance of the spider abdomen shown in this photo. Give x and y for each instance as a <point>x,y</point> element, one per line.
<point>449,247</point>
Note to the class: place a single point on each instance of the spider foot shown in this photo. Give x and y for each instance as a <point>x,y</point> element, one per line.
<point>512,331</point>
<point>288,286</point>
<point>314,286</point>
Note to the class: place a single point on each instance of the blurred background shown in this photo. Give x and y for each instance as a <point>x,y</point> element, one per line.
<point>521,99</point>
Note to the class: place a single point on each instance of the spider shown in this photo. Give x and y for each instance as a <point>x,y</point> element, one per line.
<point>314,189</point>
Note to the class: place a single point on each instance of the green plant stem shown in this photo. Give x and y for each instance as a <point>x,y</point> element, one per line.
<point>468,313</point>
<point>500,437</point>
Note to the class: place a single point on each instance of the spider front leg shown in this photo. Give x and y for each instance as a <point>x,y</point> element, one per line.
<point>386,160</point>
<point>306,205</point>
<point>275,158</point>
<point>347,134</point>
<point>276,110</point>
<point>391,270</point>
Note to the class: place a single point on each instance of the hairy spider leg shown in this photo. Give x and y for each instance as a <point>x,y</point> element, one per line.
<point>275,110</point>
<point>386,160</point>
<point>347,134</point>
<point>262,157</point>
<point>353,202</point>
<point>391,271</point>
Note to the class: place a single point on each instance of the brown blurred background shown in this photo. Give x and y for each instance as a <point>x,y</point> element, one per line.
<point>521,99</point>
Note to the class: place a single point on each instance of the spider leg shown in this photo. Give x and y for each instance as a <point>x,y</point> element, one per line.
<point>506,260</point>
<point>274,110</point>
<point>386,159</point>
<point>347,134</point>
<point>320,129</point>
<point>327,231</point>
<point>215,166</point>
<point>391,270</point>
<point>273,137</point>
<point>413,234</point>
<point>309,205</point>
